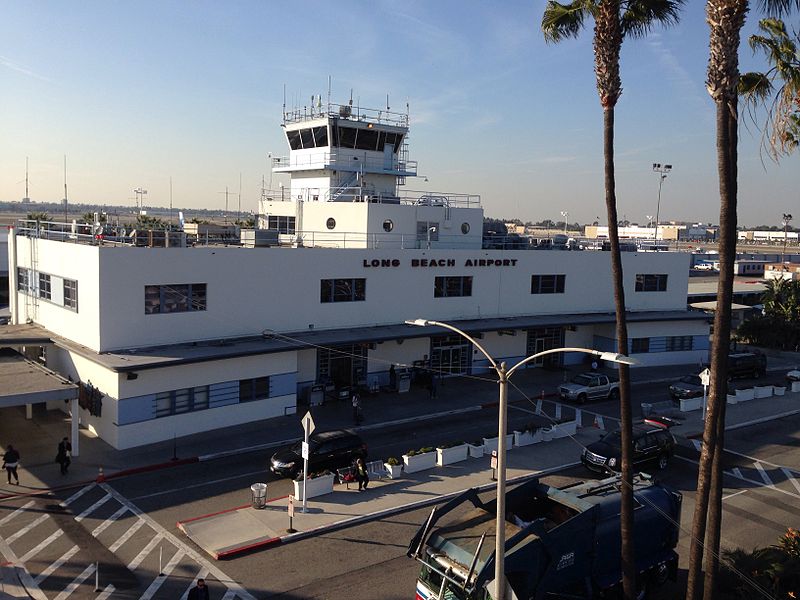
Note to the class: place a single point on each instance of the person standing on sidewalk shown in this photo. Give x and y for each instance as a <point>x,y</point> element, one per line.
<point>362,477</point>
<point>199,591</point>
<point>64,456</point>
<point>11,462</point>
<point>356,408</point>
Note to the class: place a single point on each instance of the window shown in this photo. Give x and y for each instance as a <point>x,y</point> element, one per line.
<point>253,389</point>
<point>450,287</point>
<point>187,297</point>
<point>640,345</point>
<point>547,284</point>
<point>679,343</point>
<point>294,139</point>
<point>44,286</point>
<point>347,137</point>
<point>321,136</point>
<point>367,139</point>
<point>282,223</point>
<point>465,228</point>
<point>343,290</point>
<point>427,230</point>
<point>71,294</point>
<point>388,225</point>
<point>651,283</point>
<point>181,401</point>
<point>330,223</point>
<point>23,280</point>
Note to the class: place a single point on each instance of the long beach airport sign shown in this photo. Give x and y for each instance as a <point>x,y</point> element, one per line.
<point>378,263</point>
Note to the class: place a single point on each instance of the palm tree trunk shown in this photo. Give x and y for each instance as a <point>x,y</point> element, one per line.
<point>626,420</point>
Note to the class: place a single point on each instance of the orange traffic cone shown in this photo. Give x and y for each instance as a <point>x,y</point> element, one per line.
<point>101,478</point>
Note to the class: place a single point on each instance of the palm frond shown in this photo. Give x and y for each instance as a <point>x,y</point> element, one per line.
<point>562,21</point>
<point>778,8</point>
<point>755,87</point>
<point>640,16</point>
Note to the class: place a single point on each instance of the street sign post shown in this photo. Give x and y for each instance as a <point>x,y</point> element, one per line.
<point>705,378</point>
<point>308,428</point>
<point>290,508</point>
<point>493,464</point>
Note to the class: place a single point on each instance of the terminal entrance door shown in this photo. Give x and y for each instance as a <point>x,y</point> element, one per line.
<point>545,338</point>
<point>342,365</point>
<point>450,355</point>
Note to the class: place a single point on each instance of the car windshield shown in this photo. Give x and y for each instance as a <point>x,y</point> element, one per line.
<point>582,379</point>
<point>613,439</point>
<point>693,379</point>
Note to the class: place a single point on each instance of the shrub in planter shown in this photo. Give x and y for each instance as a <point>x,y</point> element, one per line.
<point>475,448</point>
<point>317,484</point>
<point>743,394</point>
<point>490,443</point>
<point>564,428</point>
<point>419,460</point>
<point>779,390</point>
<point>450,453</point>
<point>530,434</point>
<point>762,391</point>
<point>393,467</point>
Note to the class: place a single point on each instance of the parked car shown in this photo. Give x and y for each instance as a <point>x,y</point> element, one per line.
<point>688,386</point>
<point>793,375</point>
<point>589,386</point>
<point>652,442</point>
<point>326,450</point>
<point>746,364</point>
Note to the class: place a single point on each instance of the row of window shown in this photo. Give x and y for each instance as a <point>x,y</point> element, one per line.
<point>185,400</point>
<point>676,343</point>
<point>344,137</point>
<point>52,288</point>
<point>176,297</point>
<point>355,289</point>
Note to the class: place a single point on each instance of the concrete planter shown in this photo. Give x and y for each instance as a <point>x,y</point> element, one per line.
<point>562,430</point>
<point>732,399</point>
<point>490,444</point>
<point>690,404</point>
<point>475,451</point>
<point>394,471</point>
<point>526,438</point>
<point>318,486</point>
<point>547,434</point>
<point>796,386</point>
<point>762,391</point>
<point>745,394</point>
<point>779,390</point>
<point>419,462</point>
<point>448,456</point>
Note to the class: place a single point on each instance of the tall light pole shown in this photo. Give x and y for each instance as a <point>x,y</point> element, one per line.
<point>503,376</point>
<point>662,171</point>
<point>649,221</point>
<point>786,218</point>
<point>565,214</point>
<point>140,193</point>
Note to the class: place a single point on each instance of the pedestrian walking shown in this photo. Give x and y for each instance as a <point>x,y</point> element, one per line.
<point>392,379</point>
<point>64,455</point>
<point>434,384</point>
<point>362,477</point>
<point>11,462</point>
<point>356,408</point>
<point>199,591</point>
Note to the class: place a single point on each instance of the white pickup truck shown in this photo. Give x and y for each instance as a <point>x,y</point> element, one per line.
<point>589,386</point>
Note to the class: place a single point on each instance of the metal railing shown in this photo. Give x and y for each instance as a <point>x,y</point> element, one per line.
<point>345,111</point>
<point>345,162</point>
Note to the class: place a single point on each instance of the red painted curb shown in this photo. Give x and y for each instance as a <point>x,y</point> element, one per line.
<point>270,542</point>
<point>227,510</point>
<point>155,467</point>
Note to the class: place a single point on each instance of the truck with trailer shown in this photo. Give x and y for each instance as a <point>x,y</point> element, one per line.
<point>560,542</point>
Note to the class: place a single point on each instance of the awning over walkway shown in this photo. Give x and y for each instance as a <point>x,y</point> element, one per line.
<point>23,381</point>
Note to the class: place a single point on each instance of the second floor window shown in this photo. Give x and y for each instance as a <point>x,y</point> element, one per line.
<point>44,286</point>
<point>343,290</point>
<point>651,283</point>
<point>23,280</point>
<point>547,284</point>
<point>282,223</point>
<point>253,389</point>
<point>449,287</point>
<point>71,294</point>
<point>178,297</point>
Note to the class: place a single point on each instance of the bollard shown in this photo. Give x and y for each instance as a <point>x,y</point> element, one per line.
<point>160,560</point>
<point>101,478</point>
<point>97,577</point>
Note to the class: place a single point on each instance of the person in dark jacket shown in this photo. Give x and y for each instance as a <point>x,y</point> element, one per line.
<point>199,591</point>
<point>362,477</point>
<point>64,456</point>
<point>11,462</point>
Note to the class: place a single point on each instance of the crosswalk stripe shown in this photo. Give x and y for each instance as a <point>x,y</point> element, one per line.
<point>229,595</point>
<point>170,566</point>
<point>763,473</point>
<point>127,535</point>
<point>145,551</point>
<point>76,495</point>
<point>15,536</point>
<point>201,575</point>
<point>38,548</point>
<point>20,510</point>
<point>51,568</point>
<point>737,472</point>
<point>107,523</point>
<point>75,584</point>
<point>106,592</point>
<point>698,445</point>
<point>791,478</point>
<point>93,508</point>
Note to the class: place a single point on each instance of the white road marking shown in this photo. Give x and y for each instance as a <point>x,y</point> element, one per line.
<point>698,445</point>
<point>75,584</point>
<point>201,575</point>
<point>733,494</point>
<point>754,459</point>
<point>24,575</point>
<point>791,478</point>
<point>76,495</point>
<point>763,473</point>
<point>737,472</point>
<point>153,587</point>
<point>230,595</point>
<point>20,510</point>
<point>197,485</point>
<point>106,592</point>
<point>211,568</point>
<point>743,478</point>
<point>15,536</point>
<point>49,570</point>
<point>93,508</point>
<point>38,548</point>
<point>144,552</point>
<point>107,523</point>
<point>127,535</point>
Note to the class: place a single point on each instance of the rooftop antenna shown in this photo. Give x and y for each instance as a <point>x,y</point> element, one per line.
<point>170,199</point>
<point>27,197</point>
<point>239,209</point>
<point>284,103</point>
<point>226,203</point>
<point>387,102</point>
<point>65,189</point>
<point>329,93</point>
<point>351,96</point>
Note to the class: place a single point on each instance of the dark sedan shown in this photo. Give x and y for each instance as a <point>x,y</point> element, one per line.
<point>326,450</point>
<point>689,386</point>
<point>652,442</point>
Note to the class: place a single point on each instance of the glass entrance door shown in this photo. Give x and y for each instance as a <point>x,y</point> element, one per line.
<point>450,355</point>
<point>545,338</point>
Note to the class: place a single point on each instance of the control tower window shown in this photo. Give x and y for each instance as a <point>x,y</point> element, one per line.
<point>367,139</point>
<point>347,137</point>
<point>294,139</point>
<point>321,136</point>
<point>307,138</point>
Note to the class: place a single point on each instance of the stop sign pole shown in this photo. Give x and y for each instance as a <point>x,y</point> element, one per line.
<point>705,378</point>
<point>308,428</point>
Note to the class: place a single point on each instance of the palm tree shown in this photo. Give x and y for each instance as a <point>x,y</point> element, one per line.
<point>614,20</point>
<point>782,127</point>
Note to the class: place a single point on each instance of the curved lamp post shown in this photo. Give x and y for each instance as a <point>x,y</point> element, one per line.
<point>504,374</point>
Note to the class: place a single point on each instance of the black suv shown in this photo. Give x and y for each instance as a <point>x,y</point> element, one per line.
<point>746,364</point>
<point>652,441</point>
<point>326,450</point>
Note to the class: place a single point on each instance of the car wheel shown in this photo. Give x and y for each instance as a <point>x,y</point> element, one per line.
<point>581,398</point>
<point>663,461</point>
<point>613,394</point>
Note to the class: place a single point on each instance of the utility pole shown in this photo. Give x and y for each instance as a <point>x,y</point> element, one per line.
<point>140,193</point>
<point>786,219</point>
<point>662,170</point>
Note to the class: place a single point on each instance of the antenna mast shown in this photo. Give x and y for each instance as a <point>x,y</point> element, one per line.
<point>65,189</point>
<point>239,209</point>
<point>27,197</point>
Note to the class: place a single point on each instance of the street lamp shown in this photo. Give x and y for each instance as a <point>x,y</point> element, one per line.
<point>504,374</point>
<point>786,218</point>
<point>649,221</point>
<point>662,171</point>
<point>565,214</point>
<point>431,231</point>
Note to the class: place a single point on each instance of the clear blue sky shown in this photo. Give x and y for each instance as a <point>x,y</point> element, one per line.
<point>136,92</point>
